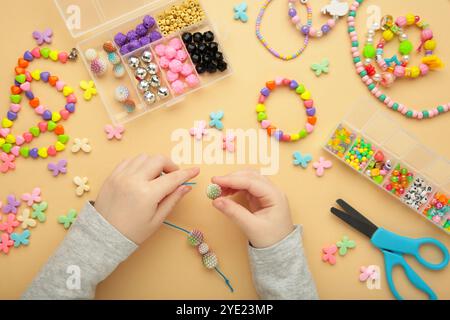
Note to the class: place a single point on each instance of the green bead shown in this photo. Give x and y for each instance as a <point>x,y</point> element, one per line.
<point>351,29</point>
<point>382,97</point>
<point>302,133</point>
<point>21,78</point>
<point>405,47</point>
<point>63,138</point>
<point>15,98</point>
<point>352,13</point>
<point>262,116</point>
<point>369,51</point>
<point>300,89</point>
<point>371,86</point>
<point>24,152</point>
<point>45,52</point>
<point>355,44</point>
<point>7,147</point>
<point>425,114</point>
<point>440,109</point>
<point>35,131</point>
<point>51,125</point>
<point>409,114</point>
<point>395,106</point>
<point>363,73</point>
<point>356,59</point>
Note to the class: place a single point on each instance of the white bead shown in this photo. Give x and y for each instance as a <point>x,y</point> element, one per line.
<point>377,77</point>
<point>403,37</point>
<point>367,61</point>
<point>319,34</point>
<point>90,54</point>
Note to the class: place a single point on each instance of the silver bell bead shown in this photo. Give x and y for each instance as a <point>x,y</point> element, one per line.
<point>406,58</point>
<point>163,92</point>
<point>154,81</point>
<point>143,85</point>
<point>133,62</point>
<point>140,73</point>
<point>146,56</point>
<point>149,97</point>
<point>152,68</point>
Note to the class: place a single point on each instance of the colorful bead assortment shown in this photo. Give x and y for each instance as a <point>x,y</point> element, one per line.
<point>340,141</point>
<point>379,167</point>
<point>144,34</point>
<point>359,154</point>
<point>418,194</point>
<point>266,44</point>
<point>399,180</point>
<point>438,210</point>
<point>114,59</point>
<point>181,16</point>
<point>372,86</point>
<point>305,96</point>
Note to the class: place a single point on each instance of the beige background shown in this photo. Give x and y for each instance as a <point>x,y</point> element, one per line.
<point>165,267</point>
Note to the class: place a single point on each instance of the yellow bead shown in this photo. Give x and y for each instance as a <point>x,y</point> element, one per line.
<point>388,35</point>
<point>415,72</point>
<point>6,123</point>
<point>2,141</point>
<point>10,139</point>
<point>430,44</point>
<point>260,108</point>
<point>410,19</point>
<point>295,137</point>
<point>56,116</point>
<point>42,152</point>
<point>306,95</point>
<point>59,146</point>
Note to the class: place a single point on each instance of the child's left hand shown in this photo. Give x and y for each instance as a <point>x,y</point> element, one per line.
<point>136,199</point>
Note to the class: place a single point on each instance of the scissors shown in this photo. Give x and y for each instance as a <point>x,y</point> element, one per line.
<point>394,247</point>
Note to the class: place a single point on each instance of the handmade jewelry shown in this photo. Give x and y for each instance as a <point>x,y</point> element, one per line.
<point>266,44</point>
<point>371,85</point>
<point>336,9</point>
<point>305,95</point>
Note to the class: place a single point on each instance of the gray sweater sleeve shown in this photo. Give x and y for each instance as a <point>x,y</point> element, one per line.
<point>90,252</point>
<point>281,271</point>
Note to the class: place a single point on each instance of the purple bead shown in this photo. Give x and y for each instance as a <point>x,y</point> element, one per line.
<point>278,135</point>
<point>120,39</point>
<point>29,95</point>
<point>145,40</point>
<point>293,85</point>
<point>155,35</point>
<point>70,107</point>
<point>28,56</point>
<point>16,83</point>
<point>34,153</point>
<point>11,115</point>
<point>149,22</point>
<point>141,30</point>
<point>47,115</point>
<point>133,45</point>
<point>325,28</point>
<point>124,50</point>
<point>305,30</point>
<point>265,92</point>
<point>132,35</point>
<point>45,76</point>
<point>292,12</point>
<point>311,111</point>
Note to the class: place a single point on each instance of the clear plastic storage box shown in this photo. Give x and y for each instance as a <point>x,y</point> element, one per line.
<point>96,22</point>
<point>395,159</point>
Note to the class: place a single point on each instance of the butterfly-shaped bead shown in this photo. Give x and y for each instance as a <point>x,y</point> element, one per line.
<point>39,211</point>
<point>81,185</point>
<point>25,219</point>
<point>114,132</point>
<point>5,243</point>
<point>394,60</point>
<point>228,142</point>
<point>329,254</point>
<point>89,89</point>
<point>369,273</point>
<point>21,238</point>
<point>10,224</point>
<point>321,165</point>
<point>81,144</point>
<point>68,219</point>
<point>216,120</point>
<point>33,197</point>
<point>240,12</point>
<point>344,245</point>
<point>43,37</point>
<point>7,162</point>
<point>199,130</point>
<point>301,160</point>
<point>58,168</point>
<point>321,67</point>
<point>11,205</point>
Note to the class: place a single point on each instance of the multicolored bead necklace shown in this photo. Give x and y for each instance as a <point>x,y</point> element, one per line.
<point>266,44</point>
<point>372,86</point>
<point>12,145</point>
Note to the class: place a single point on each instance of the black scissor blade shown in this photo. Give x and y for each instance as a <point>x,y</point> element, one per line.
<point>362,226</point>
<point>355,213</point>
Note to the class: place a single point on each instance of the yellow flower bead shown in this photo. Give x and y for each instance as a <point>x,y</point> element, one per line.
<point>415,72</point>
<point>410,19</point>
<point>388,35</point>
<point>430,44</point>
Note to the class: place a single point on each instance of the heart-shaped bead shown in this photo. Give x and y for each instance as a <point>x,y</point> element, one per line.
<point>36,52</point>
<point>36,74</point>
<point>2,141</point>
<point>378,179</point>
<point>71,99</point>
<point>10,139</point>
<point>45,76</point>
<point>43,126</point>
<point>63,57</point>
<point>15,98</point>
<point>60,85</point>
<point>19,70</point>
<point>309,103</point>
<point>306,95</point>
<point>28,76</point>
<point>295,137</point>
<point>63,138</point>
<point>34,131</point>
<point>51,151</point>
<point>26,86</point>
<point>23,63</point>
<point>39,110</point>
<point>42,152</point>
<point>265,124</point>
<point>260,107</point>
<point>64,114</point>
<point>47,115</point>
<point>59,146</point>
<point>67,91</point>
<point>28,137</point>
<point>20,140</point>
<point>262,116</point>
<point>54,55</point>
<point>6,123</point>
<point>51,126</point>
<point>15,151</point>
<point>24,152</point>
<point>45,52</point>
<point>21,78</point>
<point>34,153</point>
<point>271,85</point>
<point>52,80</point>
<point>309,127</point>
<point>28,56</point>
<point>56,116</point>
<point>70,107</point>
<point>312,120</point>
<point>34,102</point>
<point>15,107</point>
<point>15,90</point>
<point>286,137</point>
<point>271,130</point>
<point>7,147</point>
<point>4,132</point>
<point>59,129</point>
<point>279,81</point>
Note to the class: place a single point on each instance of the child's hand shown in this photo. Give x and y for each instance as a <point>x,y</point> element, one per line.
<point>268,219</point>
<point>136,199</point>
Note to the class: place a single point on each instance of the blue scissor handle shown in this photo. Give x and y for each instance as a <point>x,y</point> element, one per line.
<point>393,259</point>
<point>386,240</point>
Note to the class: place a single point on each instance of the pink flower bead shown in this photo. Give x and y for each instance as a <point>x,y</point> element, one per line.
<point>312,32</point>
<point>175,43</point>
<point>399,71</point>
<point>401,21</point>
<point>296,19</point>
<point>164,62</point>
<point>178,86</point>
<point>187,69</point>
<point>170,52</point>
<point>331,23</point>
<point>171,76</point>
<point>160,50</point>
<point>192,80</point>
<point>423,69</point>
<point>176,66</point>
<point>181,55</point>
<point>426,34</point>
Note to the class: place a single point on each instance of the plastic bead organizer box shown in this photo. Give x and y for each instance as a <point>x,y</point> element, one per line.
<point>100,21</point>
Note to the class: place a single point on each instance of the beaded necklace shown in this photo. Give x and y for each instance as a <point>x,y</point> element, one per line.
<point>373,88</point>
<point>266,44</point>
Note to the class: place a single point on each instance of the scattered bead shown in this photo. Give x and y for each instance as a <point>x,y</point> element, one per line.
<point>39,211</point>
<point>114,132</point>
<point>199,130</point>
<point>240,12</point>
<point>68,219</point>
<point>81,185</point>
<point>21,238</point>
<point>213,191</point>
<point>321,165</point>
<point>344,245</point>
<point>33,197</point>
<point>10,224</point>
<point>58,168</point>
<point>121,93</point>
<point>89,89</point>
<point>81,144</point>
<point>329,254</point>
<point>369,273</point>
<point>320,68</point>
<point>44,37</point>
<point>301,160</point>
<point>25,219</point>
<point>5,243</point>
<point>11,205</point>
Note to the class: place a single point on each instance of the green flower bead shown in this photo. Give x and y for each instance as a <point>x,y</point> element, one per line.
<point>369,51</point>
<point>405,47</point>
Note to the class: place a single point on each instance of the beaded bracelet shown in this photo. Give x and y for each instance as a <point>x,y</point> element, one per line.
<point>14,145</point>
<point>359,66</point>
<point>265,43</point>
<point>336,9</point>
<point>305,95</point>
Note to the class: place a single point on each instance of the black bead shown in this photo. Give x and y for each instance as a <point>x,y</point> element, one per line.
<point>196,58</point>
<point>208,36</point>
<point>200,68</point>
<point>218,56</point>
<point>187,37</point>
<point>212,67</point>
<point>213,47</point>
<point>191,48</point>
<point>198,37</point>
<point>222,66</point>
<point>207,58</point>
<point>202,48</point>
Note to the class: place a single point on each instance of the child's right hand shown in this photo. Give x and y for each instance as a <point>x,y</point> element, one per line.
<point>268,219</point>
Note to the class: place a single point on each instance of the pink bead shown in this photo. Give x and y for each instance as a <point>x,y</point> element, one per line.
<point>164,62</point>
<point>192,80</point>
<point>426,34</point>
<point>378,94</point>
<point>175,66</point>
<point>296,19</point>
<point>404,111</point>
<point>331,23</point>
<point>360,69</point>
<point>312,32</point>
<point>178,86</point>
<point>399,71</point>
<point>365,78</point>
<point>309,103</point>
<point>353,34</point>
<point>446,107</point>
<point>187,69</point>
<point>354,38</point>
<point>401,21</point>
<point>351,19</point>
<point>15,107</point>
<point>359,64</point>
<point>420,116</point>
<point>400,107</point>
<point>160,50</point>
<point>261,99</point>
<point>286,82</point>
<point>415,114</point>
<point>354,49</point>
<point>387,100</point>
<point>351,24</point>
<point>170,52</point>
<point>181,55</point>
<point>423,69</point>
<point>175,43</point>
<point>391,104</point>
<point>355,54</point>
<point>171,76</point>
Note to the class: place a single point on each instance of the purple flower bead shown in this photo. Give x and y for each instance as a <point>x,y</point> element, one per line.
<point>293,85</point>
<point>132,35</point>
<point>292,13</point>
<point>120,39</point>
<point>141,30</point>
<point>47,115</point>
<point>149,22</point>
<point>155,35</point>
<point>311,111</point>
<point>124,50</point>
<point>325,28</point>
<point>265,92</point>
<point>145,40</point>
<point>133,45</point>
<point>11,115</point>
<point>305,30</point>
